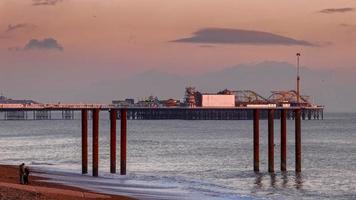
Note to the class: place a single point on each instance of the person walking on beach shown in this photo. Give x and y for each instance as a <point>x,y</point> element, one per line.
<point>22,173</point>
<point>26,175</point>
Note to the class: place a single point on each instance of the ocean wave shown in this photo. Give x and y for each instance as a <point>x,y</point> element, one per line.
<point>41,163</point>
<point>144,186</point>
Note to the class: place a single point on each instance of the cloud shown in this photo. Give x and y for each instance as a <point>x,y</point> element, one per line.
<point>45,2</point>
<point>206,46</point>
<point>45,44</point>
<point>337,10</point>
<point>347,25</point>
<point>239,36</point>
<point>12,28</point>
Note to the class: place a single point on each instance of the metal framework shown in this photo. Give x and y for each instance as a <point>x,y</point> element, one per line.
<point>290,96</point>
<point>243,97</point>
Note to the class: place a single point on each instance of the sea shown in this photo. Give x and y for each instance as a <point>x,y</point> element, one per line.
<point>179,159</point>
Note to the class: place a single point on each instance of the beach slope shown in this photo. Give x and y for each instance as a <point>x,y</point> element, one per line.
<point>10,189</point>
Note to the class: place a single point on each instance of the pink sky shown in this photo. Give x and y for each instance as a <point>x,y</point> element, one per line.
<point>115,38</point>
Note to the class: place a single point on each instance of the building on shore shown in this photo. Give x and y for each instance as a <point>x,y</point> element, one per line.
<point>223,99</point>
<point>245,98</point>
<point>124,103</point>
<point>14,103</point>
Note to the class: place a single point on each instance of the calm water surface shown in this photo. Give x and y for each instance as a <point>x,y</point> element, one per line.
<point>207,156</point>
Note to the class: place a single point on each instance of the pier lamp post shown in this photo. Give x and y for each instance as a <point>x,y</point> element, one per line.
<point>298,80</point>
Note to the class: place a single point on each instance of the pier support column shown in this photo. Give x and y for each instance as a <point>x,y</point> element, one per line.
<point>256,140</point>
<point>123,141</point>
<point>84,141</point>
<point>270,140</point>
<point>284,140</point>
<point>113,116</point>
<point>96,142</point>
<point>298,142</point>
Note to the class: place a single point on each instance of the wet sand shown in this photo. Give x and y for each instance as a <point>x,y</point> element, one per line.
<point>10,189</point>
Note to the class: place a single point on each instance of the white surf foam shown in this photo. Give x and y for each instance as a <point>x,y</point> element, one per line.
<point>139,186</point>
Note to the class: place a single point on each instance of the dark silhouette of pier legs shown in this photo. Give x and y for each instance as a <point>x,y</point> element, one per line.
<point>283,140</point>
<point>113,116</point>
<point>123,140</point>
<point>256,140</point>
<point>270,140</point>
<point>95,142</point>
<point>295,113</point>
<point>298,142</point>
<point>67,114</point>
<point>84,141</point>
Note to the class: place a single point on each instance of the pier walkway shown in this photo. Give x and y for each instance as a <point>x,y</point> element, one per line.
<point>155,113</point>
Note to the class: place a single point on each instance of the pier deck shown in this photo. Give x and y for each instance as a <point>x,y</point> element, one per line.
<point>165,113</point>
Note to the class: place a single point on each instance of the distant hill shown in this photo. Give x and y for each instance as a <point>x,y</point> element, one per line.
<point>333,88</point>
<point>323,85</point>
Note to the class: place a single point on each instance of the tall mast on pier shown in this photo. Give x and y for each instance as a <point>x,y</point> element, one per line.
<point>298,80</point>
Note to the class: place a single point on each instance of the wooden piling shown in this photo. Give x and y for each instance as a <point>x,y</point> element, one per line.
<point>84,141</point>
<point>283,140</point>
<point>298,142</point>
<point>256,140</point>
<point>270,140</point>
<point>123,141</point>
<point>113,115</point>
<point>95,142</point>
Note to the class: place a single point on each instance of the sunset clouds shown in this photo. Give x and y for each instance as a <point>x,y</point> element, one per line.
<point>239,36</point>
<point>82,41</point>
<point>337,10</point>
<point>45,2</point>
<point>45,44</point>
<point>14,27</point>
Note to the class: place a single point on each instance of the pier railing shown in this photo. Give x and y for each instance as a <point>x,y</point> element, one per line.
<point>164,113</point>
